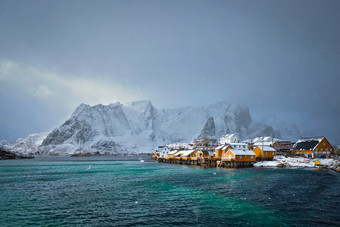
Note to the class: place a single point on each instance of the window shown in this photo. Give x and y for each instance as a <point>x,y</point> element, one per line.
<point>324,143</point>
<point>331,149</point>
<point>273,153</point>
<point>320,149</point>
<point>316,149</point>
<point>252,156</point>
<point>266,152</point>
<point>240,156</point>
<point>324,152</point>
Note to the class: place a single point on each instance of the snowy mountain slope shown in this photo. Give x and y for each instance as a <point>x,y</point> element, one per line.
<point>139,127</point>
<point>287,130</point>
<point>29,144</point>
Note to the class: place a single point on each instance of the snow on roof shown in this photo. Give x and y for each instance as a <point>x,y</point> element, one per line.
<point>305,139</point>
<point>233,144</point>
<point>307,143</point>
<point>173,152</point>
<point>228,138</point>
<point>263,143</point>
<point>163,149</point>
<point>266,148</point>
<point>242,152</point>
<point>219,147</point>
<point>186,152</point>
<point>225,147</point>
<point>265,139</point>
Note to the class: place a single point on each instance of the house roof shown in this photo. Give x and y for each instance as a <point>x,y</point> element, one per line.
<point>163,149</point>
<point>307,143</point>
<point>266,148</point>
<point>242,152</point>
<point>173,152</point>
<point>219,147</point>
<point>263,143</point>
<point>284,142</point>
<point>185,152</point>
<point>242,144</point>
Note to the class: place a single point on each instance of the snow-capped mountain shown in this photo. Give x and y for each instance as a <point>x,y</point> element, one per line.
<point>290,131</point>
<point>140,127</point>
<point>29,144</point>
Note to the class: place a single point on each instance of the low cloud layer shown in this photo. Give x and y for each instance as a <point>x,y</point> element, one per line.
<point>35,100</point>
<point>68,89</point>
<point>280,58</point>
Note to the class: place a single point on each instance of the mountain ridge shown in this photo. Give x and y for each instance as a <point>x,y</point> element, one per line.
<point>139,127</point>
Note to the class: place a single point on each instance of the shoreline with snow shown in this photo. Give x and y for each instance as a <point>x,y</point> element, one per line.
<point>300,162</point>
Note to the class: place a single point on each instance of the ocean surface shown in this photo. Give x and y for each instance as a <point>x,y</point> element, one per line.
<point>109,191</point>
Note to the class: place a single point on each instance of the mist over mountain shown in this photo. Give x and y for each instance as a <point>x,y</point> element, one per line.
<point>139,127</point>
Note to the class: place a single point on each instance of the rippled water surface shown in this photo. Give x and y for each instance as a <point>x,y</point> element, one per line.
<point>123,192</point>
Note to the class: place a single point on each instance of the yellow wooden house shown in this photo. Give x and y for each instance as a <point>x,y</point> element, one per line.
<point>171,154</point>
<point>185,154</point>
<point>156,155</point>
<point>264,152</point>
<point>238,155</point>
<point>219,151</point>
<point>204,154</point>
<point>313,147</point>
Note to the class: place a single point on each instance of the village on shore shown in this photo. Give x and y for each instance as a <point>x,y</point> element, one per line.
<point>259,152</point>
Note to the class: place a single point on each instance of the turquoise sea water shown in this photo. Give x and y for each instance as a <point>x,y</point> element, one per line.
<point>54,191</point>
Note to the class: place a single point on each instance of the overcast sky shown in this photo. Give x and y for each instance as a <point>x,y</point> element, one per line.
<point>280,58</point>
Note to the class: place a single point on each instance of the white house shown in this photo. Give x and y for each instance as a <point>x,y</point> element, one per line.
<point>163,152</point>
<point>228,138</point>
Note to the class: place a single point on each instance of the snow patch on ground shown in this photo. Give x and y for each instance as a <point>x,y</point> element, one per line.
<point>280,161</point>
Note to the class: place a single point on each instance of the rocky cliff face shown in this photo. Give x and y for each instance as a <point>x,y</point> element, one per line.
<point>139,127</point>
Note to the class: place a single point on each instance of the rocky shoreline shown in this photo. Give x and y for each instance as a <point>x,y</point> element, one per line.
<point>5,155</point>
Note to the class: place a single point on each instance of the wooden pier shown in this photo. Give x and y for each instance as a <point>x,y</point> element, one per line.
<point>207,162</point>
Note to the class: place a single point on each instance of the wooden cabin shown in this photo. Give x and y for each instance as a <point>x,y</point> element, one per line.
<point>313,147</point>
<point>187,154</point>
<point>219,151</point>
<point>204,154</point>
<point>163,152</point>
<point>264,152</point>
<point>283,146</point>
<point>238,155</point>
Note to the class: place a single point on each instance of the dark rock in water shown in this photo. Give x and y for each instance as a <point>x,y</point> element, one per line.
<point>5,154</point>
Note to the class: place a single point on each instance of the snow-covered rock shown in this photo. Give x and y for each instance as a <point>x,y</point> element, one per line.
<point>300,162</point>
<point>138,127</point>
